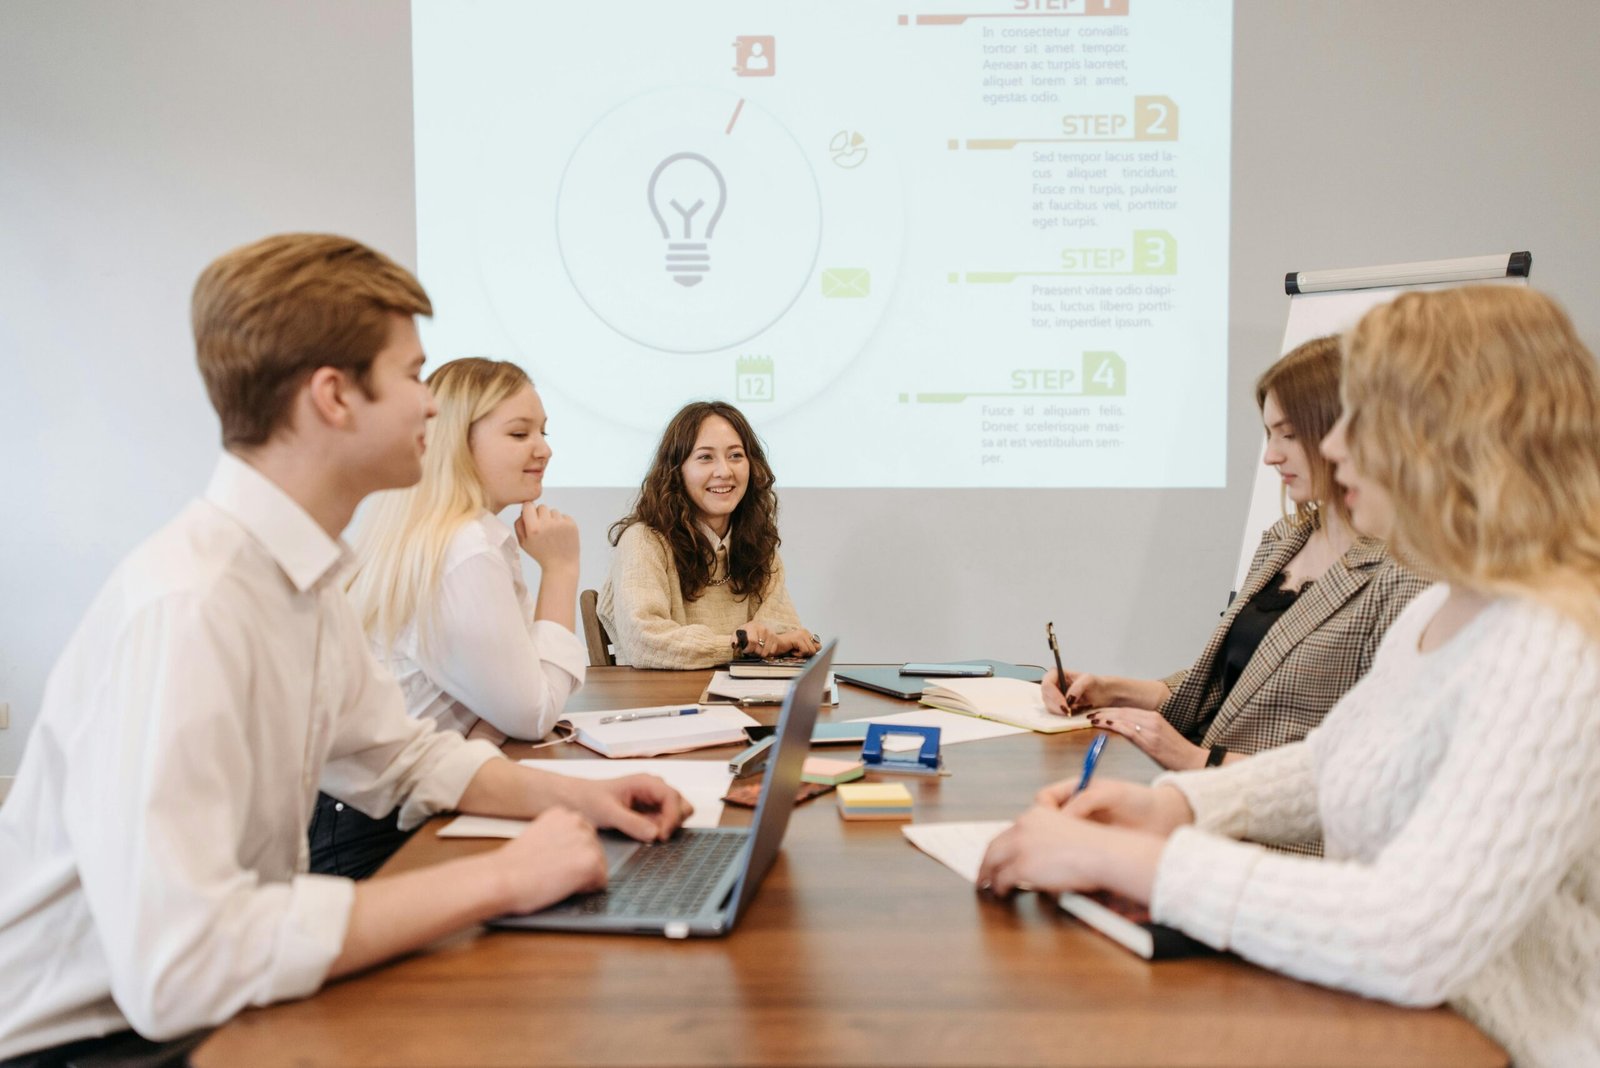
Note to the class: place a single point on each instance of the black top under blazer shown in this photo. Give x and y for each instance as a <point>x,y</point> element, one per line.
<point>1316,651</point>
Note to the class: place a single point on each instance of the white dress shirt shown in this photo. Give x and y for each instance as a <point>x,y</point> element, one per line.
<point>487,668</point>
<point>154,843</point>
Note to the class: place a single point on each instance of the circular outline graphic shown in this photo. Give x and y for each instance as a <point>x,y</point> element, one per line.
<point>816,250</point>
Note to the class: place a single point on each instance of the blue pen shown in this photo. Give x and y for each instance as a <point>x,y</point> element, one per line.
<point>629,717</point>
<point>1090,759</point>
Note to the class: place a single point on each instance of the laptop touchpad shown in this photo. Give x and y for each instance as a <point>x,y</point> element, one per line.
<point>618,847</point>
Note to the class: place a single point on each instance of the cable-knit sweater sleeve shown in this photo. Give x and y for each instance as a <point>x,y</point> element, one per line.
<point>776,610</point>
<point>1504,808</point>
<point>1272,797</point>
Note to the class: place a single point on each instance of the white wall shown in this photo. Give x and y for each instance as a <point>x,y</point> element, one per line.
<point>138,141</point>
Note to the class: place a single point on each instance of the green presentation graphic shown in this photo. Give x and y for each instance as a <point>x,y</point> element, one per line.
<point>939,244</point>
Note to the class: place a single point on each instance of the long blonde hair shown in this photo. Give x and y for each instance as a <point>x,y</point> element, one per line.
<point>404,534</point>
<point>1478,411</point>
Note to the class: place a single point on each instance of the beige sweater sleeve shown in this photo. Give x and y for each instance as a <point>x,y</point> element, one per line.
<point>776,610</point>
<point>644,589</point>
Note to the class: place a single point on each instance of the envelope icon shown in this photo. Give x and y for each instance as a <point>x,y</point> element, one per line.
<point>846,282</point>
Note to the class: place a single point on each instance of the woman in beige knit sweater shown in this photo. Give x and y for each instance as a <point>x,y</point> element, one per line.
<point>696,561</point>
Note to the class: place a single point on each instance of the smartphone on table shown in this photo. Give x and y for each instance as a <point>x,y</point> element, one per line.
<point>948,671</point>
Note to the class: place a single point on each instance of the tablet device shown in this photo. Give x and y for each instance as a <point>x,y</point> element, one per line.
<point>886,679</point>
<point>948,671</point>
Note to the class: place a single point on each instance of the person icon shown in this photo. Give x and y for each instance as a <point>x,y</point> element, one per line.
<point>755,57</point>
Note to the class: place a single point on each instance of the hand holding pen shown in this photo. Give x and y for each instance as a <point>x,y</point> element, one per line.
<point>1069,693</point>
<point>1057,794</point>
<point>1055,688</point>
<point>1091,760</point>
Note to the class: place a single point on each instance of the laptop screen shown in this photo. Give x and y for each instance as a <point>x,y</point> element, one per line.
<point>782,779</point>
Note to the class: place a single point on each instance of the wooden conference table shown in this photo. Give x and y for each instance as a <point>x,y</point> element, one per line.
<point>858,949</point>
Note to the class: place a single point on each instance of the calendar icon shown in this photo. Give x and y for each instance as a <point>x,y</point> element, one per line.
<point>753,378</point>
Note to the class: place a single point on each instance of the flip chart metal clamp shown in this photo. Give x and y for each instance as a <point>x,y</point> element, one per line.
<point>926,761</point>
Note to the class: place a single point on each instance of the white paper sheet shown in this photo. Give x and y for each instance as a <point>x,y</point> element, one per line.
<point>703,782</point>
<point>760,691</point>
<point>482,827</point>
<point>958,846</point>
<point>953,727</point>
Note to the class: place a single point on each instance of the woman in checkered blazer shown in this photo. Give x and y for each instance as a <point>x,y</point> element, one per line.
<point>1314,605</point>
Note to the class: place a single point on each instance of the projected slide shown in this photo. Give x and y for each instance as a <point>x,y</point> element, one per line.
<point>920,244</point>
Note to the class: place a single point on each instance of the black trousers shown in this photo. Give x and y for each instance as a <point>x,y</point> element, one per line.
<point>350,843</point>
<point>125,1049</point>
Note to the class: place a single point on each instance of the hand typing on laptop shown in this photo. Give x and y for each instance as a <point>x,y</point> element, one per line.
<point>640,806</point>
<point>559,854</point>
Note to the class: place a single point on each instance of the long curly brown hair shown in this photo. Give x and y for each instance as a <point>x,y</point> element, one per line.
<point>664,506</point>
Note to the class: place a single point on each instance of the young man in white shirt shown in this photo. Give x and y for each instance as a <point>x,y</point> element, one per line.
<point>154,844</point>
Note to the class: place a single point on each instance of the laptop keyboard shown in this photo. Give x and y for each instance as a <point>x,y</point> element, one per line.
<point>672,878</point>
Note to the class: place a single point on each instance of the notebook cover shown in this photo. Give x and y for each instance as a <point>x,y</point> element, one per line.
<point>748,793</point>
<point>1118,918</point>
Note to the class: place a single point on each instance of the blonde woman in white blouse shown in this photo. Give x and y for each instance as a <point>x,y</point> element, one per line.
<point>438,586</point>
<point>1457,786</point>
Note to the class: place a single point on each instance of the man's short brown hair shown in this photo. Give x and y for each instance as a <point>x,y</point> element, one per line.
<point>268,314</point>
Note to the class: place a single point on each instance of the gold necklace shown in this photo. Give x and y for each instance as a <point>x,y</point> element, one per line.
<point>721,549</point>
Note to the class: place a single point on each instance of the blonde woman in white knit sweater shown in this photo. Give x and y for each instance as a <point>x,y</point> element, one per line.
<point>1457,786</point>
<point>696,562</point>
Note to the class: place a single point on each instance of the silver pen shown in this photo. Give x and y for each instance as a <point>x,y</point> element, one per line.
<point>660,713</point>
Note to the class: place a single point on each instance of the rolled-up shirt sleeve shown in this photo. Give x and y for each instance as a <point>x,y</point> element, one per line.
<point>192,929</point>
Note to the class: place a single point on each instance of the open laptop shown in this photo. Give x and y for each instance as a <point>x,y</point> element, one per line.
<point>700,881</point>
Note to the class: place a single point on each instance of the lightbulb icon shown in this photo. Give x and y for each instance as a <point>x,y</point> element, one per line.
<point>680,188</point>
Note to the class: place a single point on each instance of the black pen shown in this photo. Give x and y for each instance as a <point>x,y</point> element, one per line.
<point>1055,651</point>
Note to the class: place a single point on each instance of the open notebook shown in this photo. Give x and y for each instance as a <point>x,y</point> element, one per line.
<point>960,847</point>
<point>1003,700</point>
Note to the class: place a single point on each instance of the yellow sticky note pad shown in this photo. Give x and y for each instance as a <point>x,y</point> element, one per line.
<point>875,795</point>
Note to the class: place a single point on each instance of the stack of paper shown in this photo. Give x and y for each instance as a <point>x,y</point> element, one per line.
<point>701,782</point>
<point>728,689</point>
<point>874,801</point>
